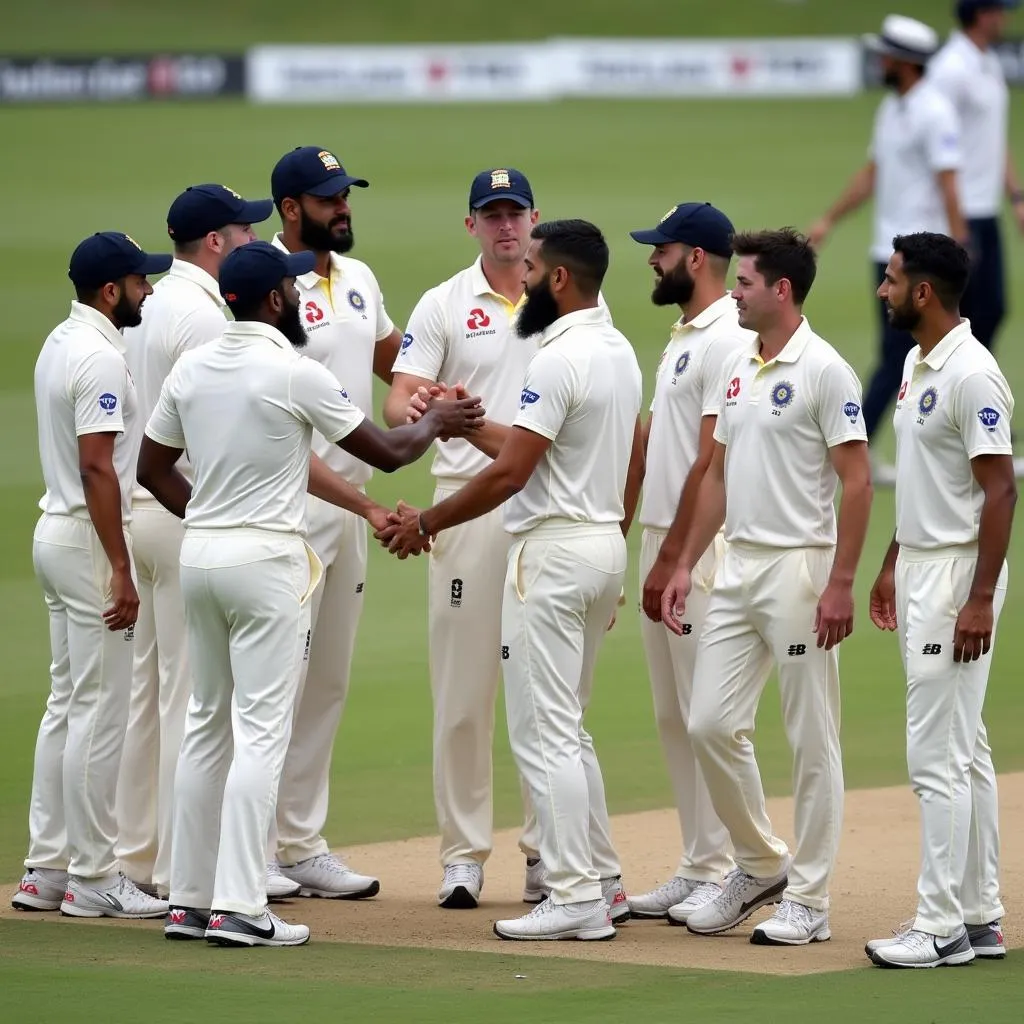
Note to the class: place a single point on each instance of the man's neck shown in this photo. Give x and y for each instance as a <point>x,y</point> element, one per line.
<point>293,243</point>
<point>576,305</point>
<point>704,295</point>
<point>929,332</point>
<point>775,338</point>
<point>106,313</point>
<point>505,279</point>
<point>976,36</point>
<point>907,83</point>
<point>206,261</point>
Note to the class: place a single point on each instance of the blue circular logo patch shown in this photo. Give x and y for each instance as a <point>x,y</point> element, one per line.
<point>356,301</point>
<point>927,402</point>
<point>682,363</point>
<point>782,394</point>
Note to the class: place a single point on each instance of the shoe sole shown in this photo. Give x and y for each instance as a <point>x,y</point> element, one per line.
<point>963,959</point>
<point>766,899</point>
<point>583,935</point>
<point>760,938</point>
<point>35,904</point>
<point>182,932</point>
<point>648,915</point>
<point>119,915</point>
<point>250,941</point>
<point>327,894</point>
<point>276,897</point>
<point>534,896</point>
<point>460,898</point>
<point>620,916</point>
<point>990,952</point>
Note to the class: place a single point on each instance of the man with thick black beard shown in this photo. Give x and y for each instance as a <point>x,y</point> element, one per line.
<point>245,407</point>
<point>560,471</point>
<point>349,331</point>
<point>692,250</point>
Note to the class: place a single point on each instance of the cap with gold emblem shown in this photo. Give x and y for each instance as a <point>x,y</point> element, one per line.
<point>310,170</point>
<point>500,183</point>
<point>699,225</point>
<point>110,255</point>
<point>201,209</point>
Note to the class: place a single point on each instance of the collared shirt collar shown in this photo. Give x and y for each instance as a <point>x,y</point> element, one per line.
<point>792,350</point>
<point>936,359</point>
<point>190,272</point>
<point>708,316</point>
<point>312,279</point>
<point>244,331</point>
<point>578,318</point>
<point>84,314</point>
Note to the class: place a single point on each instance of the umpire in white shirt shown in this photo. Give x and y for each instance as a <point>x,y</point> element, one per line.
<point>205,222</point>
<point>911,171</point>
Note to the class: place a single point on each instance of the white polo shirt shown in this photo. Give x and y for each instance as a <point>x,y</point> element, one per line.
<point>344,318</point>
<point>778,421</point>
<point>916,136</point>
<point>464,330</point>
<point>245,407</point>
<point>688,387</point>
<point>974,82</point>
<point>582,391</point>
<point>185,310</point>
<point>82,386</point>
<point>954,404</point>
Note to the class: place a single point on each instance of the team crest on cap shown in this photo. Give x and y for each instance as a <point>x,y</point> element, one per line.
<point>500,179</point>
<point>231,190</point>
<point>669,214</point>
<point>782,394</point>
<point>129,238</point>
<point>929,399</point>
<point>682,363</point>
<point>356,301</point>
<point>329,160</point>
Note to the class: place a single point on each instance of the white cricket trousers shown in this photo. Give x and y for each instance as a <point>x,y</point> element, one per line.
<point>247,612</point>
<point>948,756</point>
<point>339,539</point>
<point>761,612</point>
<point>466,575</point>
<point>72,825</point>
<point>161,685</point>
<point>561,587</point>
<point>670,660</point>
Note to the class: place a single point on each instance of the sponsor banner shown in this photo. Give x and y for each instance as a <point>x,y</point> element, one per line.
<point>93,79</point>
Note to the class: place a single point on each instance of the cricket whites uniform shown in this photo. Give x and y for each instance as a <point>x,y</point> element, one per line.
<point>185,310</point>
<point>778,421</point>
<point>689,386</point>
<point>582,391</point>
<point>954,405</point>
<point>462,330</point>
<point>245,408</point>
<point>344,318</point>
<point>82,386</point>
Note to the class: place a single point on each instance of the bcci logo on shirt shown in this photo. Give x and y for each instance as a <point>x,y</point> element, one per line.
<point>356,301</point>
<point>926,404</point>
<point>782,396</point>
<point>681,366</point>
<point>528,397</point>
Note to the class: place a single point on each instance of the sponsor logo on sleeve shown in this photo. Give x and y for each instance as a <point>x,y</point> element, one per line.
<point>851,410</point>
<point>989,418</point>
<point>108,403</point>
<point>528,397</point>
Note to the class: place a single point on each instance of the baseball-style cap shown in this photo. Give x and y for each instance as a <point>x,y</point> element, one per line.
<point>254,270</point>
<point>201,209</point>
<point>109,256</point>
<point>904,38</point>
<point>500,183</point>
<point>313,171</point>
<point>700,225</point>
<point>965,8</point>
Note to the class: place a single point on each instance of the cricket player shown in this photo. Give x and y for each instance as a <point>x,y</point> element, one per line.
<point>692,249</point>
<point>86,412</point>
<point>789,429</point>
<point>912,167</point>
<point>464,331</point>
<point>245,407</point>
<point>205,223</point>
<point>560,471</point>
<point>942,587</point>
<point>349,331</point>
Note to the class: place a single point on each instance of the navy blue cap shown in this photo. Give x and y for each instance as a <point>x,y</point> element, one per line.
<point>110,255</point>
<point>965,8</point>
<point>310,170</point>
<point>699,225</point>
<point>201,209</point>
<point>252,271</point>
<point>500,183</point>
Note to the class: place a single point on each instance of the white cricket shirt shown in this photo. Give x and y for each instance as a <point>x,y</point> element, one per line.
<point>245,406</point>
<point>344,318</point>
<point>954,404</point>
<point>582,391</point>
<point>82,386</point>
<point>464,330</point>
<point>974,82</point>
<point>688,387</point>
<point>185,310</point>
<point>778,421</point>
<point>916,136</point>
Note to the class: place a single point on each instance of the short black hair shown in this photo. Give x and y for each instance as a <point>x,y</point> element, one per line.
<point>938,259</point>
<point>247,309</point>
<point>579,246</point>
<point>86,293</point>
<point>783,253</point>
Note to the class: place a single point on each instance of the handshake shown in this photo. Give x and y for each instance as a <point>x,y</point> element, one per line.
<point>399,531</point>
<point>461,413</point>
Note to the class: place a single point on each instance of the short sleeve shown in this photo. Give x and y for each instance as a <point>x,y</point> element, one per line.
<point>164,424</point>
<point>548,396</point>
<point>657,376</point>
<point>385,328</point>
<point>425,342</point>
<point>839,415</point>
<point>197,328</point>
<point>982,407</point>
<point>98,391</point>
<point>942,136</point>
<point>317,398</point>
<point>949,75</point>
<point>718,359</point>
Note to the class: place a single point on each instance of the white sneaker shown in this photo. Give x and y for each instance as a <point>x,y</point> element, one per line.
<point>327,876</point>
<point>460,887</point>
<point>921,949</point>
<point>279,887</point>
<point>987,940</point>
<point>267,929</point>
<point>186,923</point>
<point>536,888</point>
<point>588,921</point>
<point>616,898</point>
<point>741,895</point>
<point>115,896</point>
<point>705,893</point>
<point>40,889</point>
<point>792,924</point>
<point>896,936</point>
<point>656,902</point>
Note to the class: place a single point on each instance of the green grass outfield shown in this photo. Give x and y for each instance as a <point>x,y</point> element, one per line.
<point>69,171</point>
